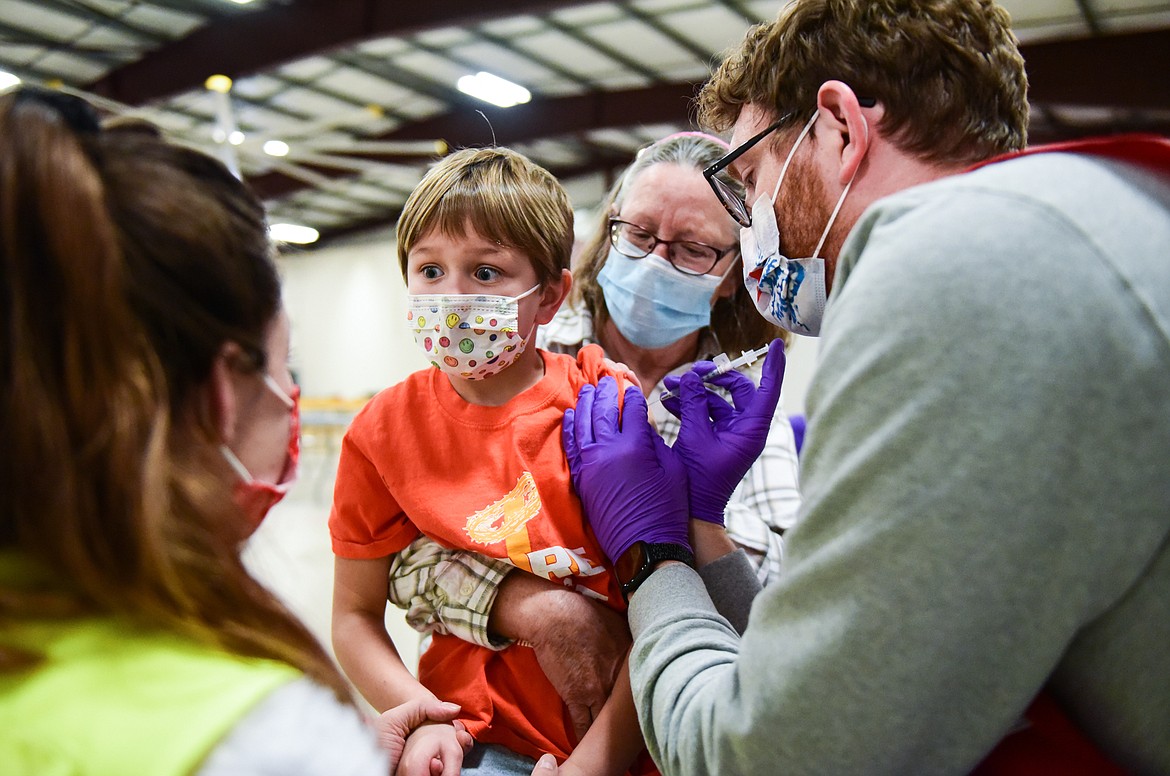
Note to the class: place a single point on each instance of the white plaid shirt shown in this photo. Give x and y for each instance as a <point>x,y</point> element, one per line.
<point>452,591</point>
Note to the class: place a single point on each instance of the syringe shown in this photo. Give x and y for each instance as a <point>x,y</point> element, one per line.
<point>723,365</point>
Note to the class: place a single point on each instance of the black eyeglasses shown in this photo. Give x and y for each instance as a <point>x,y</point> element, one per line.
<point>687,256</point>
<point>731,200</point>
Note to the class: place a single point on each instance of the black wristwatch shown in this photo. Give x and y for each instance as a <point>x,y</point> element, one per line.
<point>636,563</point>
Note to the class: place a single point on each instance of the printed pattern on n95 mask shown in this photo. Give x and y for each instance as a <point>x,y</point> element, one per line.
<point>788,292</point>
<point>466,336</point>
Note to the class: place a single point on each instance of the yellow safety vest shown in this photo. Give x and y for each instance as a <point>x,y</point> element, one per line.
<point>114,700</point>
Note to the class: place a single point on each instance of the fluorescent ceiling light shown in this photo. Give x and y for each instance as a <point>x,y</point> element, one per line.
<point>493,89</point>
<point>241,2</point>
<point>8,80</point>
<point>293,233</point>
<point>236,137</point>
<point>276,148</point>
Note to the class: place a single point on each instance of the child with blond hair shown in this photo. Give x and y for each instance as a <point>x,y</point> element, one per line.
<point>469,453</point>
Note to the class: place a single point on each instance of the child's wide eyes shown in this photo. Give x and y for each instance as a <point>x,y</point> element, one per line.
<point>486,274</point>
<point>431,272</point>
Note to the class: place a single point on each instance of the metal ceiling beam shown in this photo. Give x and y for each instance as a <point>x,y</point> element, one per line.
<point>544,62</point>
<point>667,103</point>
<point>1090,15</point>
<point>611,162</point>
<point>1121,70</point>
<point>15,35</point>
<point>243,44</point>
<point>552,117</point>
<point>1053,129</point>
<point>622,59</point>
<point>650,20</point>
<point>738,8</point>
<point>82,12</point>
<point>601,162</point>
<point>1116,71</point>
<point>1124,71</point>
<point>200,8</point>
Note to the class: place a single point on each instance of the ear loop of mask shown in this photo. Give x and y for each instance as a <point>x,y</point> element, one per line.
<point>235,463</point>
<point>845,193</point>
<point>792,153</point>
<point>517,299</point>
<point>233,459</point>
<point>731,266</point>
<point>529,292</point>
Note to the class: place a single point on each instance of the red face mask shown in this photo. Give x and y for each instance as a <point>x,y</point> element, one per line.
<point>256,497</point>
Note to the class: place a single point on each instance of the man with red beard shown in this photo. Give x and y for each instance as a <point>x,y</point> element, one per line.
<point>983,542</point>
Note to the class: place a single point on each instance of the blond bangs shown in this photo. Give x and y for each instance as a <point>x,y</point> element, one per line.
<point>501,196</point>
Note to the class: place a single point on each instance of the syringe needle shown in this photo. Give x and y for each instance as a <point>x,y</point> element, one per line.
<point>723,365</point>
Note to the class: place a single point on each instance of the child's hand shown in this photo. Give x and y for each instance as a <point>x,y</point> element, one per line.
<point>568,768</point>
<point>394,725</point>
<point>624,375</point>
<point>546,766</point>
<point>433,749</point>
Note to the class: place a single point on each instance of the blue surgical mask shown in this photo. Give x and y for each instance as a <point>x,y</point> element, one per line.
<point>652,303</point>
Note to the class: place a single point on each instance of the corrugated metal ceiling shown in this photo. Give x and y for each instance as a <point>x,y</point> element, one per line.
<point>363,91</point>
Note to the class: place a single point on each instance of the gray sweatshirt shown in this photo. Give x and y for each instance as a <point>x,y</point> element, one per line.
<point>987,498</point>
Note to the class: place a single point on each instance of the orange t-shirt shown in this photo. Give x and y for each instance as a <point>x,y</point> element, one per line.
<point>493,480</point>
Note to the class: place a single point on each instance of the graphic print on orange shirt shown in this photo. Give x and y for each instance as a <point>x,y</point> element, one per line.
<point>506,520</point>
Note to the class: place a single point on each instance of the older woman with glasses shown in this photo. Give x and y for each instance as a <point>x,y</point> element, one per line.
<point>658,286</point>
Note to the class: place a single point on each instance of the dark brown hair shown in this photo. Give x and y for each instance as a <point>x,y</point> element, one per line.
<point>128,263</point>
<point>948,73</point>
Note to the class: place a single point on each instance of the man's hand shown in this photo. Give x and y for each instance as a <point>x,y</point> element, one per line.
<point>633,486</point>
<point>580,649</point>
<point>579,643</point>
<point>716,442</point>
<point>434,749</point>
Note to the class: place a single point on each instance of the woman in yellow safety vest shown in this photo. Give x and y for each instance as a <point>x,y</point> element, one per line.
<point>149,421</point>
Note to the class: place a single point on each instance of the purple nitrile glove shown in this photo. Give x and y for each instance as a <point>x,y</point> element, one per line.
<point>633,487</point>
<point>718,443</point>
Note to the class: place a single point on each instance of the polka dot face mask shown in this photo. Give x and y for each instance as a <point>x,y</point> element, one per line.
<point>471,336</point>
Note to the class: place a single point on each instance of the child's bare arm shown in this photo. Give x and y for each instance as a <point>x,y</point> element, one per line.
<point>614,740</point>
<point>363,647</point>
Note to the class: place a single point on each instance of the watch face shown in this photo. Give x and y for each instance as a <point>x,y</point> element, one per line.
<point>631,562</point>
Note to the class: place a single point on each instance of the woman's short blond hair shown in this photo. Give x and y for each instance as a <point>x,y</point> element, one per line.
<point>948,73</point>
<point>500,194</point>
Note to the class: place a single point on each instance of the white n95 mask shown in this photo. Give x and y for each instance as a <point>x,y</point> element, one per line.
<point>471,336</point>
<point>788,292</point>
